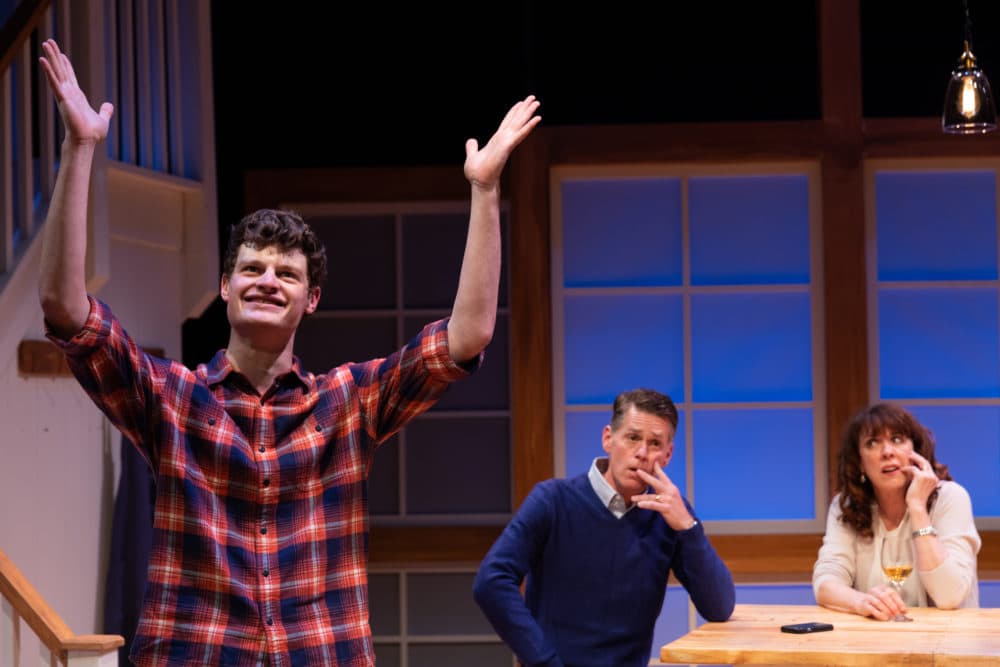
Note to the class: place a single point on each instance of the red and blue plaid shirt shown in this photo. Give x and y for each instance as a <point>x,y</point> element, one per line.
<point>260,538</point>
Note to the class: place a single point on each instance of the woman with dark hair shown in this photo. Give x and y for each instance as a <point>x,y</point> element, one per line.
<point>892,488</point>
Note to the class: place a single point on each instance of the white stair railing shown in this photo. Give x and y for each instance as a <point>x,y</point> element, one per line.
<point>152,59</point>
<point>27,130</point>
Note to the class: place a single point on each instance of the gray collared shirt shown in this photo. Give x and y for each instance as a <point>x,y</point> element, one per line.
<point>609,497</point>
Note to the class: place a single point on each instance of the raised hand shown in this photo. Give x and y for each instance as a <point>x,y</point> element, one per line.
<point>83,124</point>
<point>666,499</point>
<point>923,480</point>
<point>484,165</point>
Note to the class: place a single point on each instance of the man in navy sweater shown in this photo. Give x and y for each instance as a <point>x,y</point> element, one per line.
<point>597,550</point>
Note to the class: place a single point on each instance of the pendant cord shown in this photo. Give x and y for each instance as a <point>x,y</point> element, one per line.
<point>968,25</point>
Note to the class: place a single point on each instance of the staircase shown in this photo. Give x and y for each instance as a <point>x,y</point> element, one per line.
<point>59,646</point>
<point>152,254</point>
<point>152,59</point>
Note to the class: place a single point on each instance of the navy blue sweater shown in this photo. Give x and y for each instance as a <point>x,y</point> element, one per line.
<point>595,583</point>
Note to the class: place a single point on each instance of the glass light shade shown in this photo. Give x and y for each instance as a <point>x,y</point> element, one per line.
<point>968,101</point>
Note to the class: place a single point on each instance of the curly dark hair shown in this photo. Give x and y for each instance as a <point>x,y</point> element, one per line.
<point>644,400</point>
<point>284,229</point>
<point>856,497</point>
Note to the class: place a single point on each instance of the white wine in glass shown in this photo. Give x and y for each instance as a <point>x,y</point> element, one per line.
<point>897,564</point>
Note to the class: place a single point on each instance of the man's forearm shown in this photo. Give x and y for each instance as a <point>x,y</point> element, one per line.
<point>473,317</point>
<point>62,286</point>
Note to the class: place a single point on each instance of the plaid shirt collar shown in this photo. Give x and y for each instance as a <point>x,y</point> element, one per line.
<point>219,368</point>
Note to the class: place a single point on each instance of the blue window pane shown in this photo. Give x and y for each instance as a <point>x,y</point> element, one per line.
<point>584,444</point>
<point>754,464</point>
<point>775,594</point>
<point>677,466</point>
<point>938,343</point>
<point>623,342</point>
<point>989,593</point>
<point>936,225</point>
<point>968,442</point>
<point>672,623</point>
<point>583,439</point>
<point>751,347</point>
<point>749,230</point>
<point>622,232</point>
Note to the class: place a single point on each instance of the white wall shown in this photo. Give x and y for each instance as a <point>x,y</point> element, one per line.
<point>58,470</point>
<point>54,491</point>
<point>153,258</point>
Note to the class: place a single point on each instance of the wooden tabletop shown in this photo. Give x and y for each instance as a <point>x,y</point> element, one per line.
<point>966,637</point>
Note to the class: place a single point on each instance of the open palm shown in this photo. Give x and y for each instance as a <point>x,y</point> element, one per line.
<point>484,165</point>
<point>83,124</point>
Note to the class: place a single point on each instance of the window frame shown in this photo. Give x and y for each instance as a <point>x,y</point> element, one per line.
<point>399,210</point>
<point>684,171</point>
<point>404,640</point>
<point>871,168</point>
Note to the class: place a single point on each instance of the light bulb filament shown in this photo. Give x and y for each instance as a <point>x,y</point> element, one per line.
<point>969,100</point>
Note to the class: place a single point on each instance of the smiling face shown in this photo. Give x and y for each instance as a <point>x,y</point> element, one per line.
<point>267,294</point>
<point>640,441</point>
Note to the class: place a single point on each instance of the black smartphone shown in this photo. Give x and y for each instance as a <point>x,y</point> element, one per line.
<point>806,628</point>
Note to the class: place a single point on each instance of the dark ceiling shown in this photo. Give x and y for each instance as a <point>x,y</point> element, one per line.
<point>379,84</point>
<point>336,84</point>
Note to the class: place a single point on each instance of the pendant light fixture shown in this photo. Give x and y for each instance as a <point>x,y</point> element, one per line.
<point>968,101</point>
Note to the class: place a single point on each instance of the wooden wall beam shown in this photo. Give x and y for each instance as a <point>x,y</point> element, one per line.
<point>41,358</point>
<point>531,318</point>
<point>686,142</point>
<point>268,188</point>
<point>922,137</point>
<point>751,558</point>
<point>844,279</point>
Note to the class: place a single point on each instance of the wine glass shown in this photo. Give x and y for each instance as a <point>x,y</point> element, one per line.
<point>897,563</point>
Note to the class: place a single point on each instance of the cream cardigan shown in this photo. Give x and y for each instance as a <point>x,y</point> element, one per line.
<point>853,560</point>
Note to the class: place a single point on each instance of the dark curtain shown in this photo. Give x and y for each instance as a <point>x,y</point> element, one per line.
<point>131,541</point>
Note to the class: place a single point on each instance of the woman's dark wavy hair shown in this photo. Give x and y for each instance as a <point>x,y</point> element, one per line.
<point>856,497</point>
<point>284,229</point>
